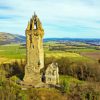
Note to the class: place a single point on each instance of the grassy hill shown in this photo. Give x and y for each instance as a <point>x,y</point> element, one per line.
<point>8,38</point>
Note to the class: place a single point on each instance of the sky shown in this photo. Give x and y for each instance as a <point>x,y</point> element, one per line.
<point>60,18</point>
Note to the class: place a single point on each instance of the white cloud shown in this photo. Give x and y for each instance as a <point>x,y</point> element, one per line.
<point>53,13</point>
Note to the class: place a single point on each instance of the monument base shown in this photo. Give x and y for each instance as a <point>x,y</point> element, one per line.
<point>33,78</point>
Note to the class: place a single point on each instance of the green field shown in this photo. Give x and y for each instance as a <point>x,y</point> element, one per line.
<point>16,51</point>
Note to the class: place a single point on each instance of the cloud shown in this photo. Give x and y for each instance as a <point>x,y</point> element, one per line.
<point>5,7</point>
<point>76,17</point>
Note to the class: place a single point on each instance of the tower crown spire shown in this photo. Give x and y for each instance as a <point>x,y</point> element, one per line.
<point>35,14</point>
<point>28,26</point>
<point>34,23</point>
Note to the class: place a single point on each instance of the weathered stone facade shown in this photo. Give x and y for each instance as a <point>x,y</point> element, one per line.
<point>34,49</point>
<point>35,55</point>
<point>52,76</point>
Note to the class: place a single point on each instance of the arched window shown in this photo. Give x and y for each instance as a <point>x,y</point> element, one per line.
<point>35,24</point>
<point>30,38</point>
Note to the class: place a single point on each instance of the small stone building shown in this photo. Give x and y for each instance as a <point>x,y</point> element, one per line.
<point>52,74</point>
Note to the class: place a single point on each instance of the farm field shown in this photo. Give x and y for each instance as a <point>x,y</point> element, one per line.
<point>11,52</point>
<point>93,55</point>
<point>74,50</point>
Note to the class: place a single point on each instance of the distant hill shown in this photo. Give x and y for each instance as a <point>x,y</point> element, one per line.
<point>8,38</point>
<point>91,41</point>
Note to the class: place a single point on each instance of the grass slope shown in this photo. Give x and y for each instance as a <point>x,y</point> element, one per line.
<point>8,38</point>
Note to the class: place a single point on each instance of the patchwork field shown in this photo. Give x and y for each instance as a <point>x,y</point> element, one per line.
<point>93,55</point>
<point>9,53</point>
<point>73,50</point>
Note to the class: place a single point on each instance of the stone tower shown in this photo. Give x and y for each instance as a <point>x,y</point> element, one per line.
<point>34,51</point>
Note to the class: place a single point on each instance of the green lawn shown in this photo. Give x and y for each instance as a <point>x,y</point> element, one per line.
<point>15,51</point>
<point>12,51</point>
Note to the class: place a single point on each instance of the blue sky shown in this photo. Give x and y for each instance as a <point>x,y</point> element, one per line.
<point>60,18</point>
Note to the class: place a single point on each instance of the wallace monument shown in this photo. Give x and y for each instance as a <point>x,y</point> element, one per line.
<point>35,57</point>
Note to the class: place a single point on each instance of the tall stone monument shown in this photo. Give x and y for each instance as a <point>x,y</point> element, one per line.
<point>34,51</point>
<point>35,57</point>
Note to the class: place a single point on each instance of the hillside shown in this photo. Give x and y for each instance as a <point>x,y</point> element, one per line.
<point>8,38</point>
<point>91,41</point>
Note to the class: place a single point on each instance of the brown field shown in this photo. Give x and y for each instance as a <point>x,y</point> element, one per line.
<point>93,55</point>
